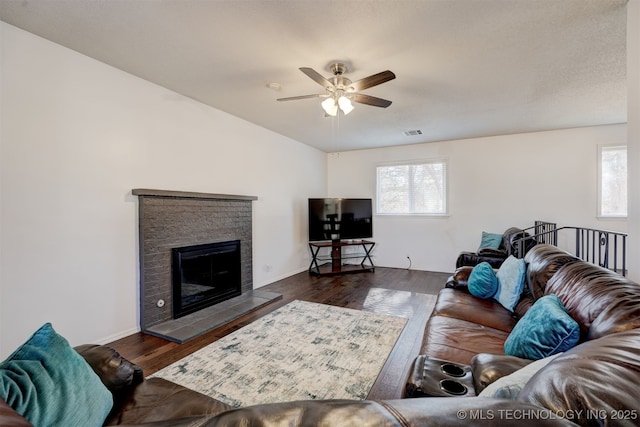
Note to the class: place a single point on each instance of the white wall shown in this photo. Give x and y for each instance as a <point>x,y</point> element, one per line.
<point>494,183</point>
<point>633,117</point>
<point>1,183</point>
<point>77,136</point>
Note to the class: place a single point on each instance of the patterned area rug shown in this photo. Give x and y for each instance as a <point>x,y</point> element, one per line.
<point>301,351</point>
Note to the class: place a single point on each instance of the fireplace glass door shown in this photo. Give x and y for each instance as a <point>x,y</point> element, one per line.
<point>204,275</point>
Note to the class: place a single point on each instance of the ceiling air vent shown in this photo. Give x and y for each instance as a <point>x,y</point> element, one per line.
<point>413,132</point>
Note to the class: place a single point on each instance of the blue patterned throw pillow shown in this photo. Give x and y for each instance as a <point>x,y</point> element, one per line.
<point>50,384</point>
<point>545,329</point>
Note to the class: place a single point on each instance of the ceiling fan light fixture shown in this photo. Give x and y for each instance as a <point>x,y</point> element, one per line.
<point>345,105</point>
<point>330,107</point>
<point>340,91</point>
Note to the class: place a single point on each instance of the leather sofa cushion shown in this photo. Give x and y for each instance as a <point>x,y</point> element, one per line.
<point>487,368</point>
<point>464,306</point>
<point>310,413</point>
<point>597,381</point>
<point>601,301</point>
<point>459,340</point>
<point>10,418</point>
<point>157,399</point>
<point>542,263</point>
<point>525,303</point>
<point>460,278</point>
<point>510,385</point>
<point>472,259</point>
<point>475,411</point>
<point>450,411</point>
<point>490,252</point>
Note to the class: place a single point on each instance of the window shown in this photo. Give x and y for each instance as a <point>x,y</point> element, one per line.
<point>417,188</point>
<point>612,175</point>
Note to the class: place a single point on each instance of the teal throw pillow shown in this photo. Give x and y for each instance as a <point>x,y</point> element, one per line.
<point>490,241</point>
<point>50,384</point>
<point>511,275</point>
<point>483,282</point>
<point>545,329</point>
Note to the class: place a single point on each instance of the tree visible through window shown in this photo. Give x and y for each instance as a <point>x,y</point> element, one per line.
<point>613,181</point>
<point>412,188</point>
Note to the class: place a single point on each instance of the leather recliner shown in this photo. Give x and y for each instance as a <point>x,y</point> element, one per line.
<point>495,257</point>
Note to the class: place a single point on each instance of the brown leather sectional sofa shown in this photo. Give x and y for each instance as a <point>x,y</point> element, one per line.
<point>595,383</point>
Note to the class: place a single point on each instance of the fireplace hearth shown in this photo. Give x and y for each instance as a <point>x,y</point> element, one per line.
<point>204,275</point>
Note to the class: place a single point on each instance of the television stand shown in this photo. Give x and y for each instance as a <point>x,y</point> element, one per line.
<point>337,260</point>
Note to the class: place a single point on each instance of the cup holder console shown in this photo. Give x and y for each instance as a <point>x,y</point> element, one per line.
<point>441,378</point>
<point>453,387</point>
<point>452,369</point>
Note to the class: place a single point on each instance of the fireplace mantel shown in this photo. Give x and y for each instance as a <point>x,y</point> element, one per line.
<point>146,192</point>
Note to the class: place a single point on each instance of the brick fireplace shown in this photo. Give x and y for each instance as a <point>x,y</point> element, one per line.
<point>174,219</point>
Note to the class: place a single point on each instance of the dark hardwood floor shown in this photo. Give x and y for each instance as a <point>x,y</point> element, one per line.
<point>387,290</point>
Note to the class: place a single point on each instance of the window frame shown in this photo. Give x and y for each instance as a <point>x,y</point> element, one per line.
<point>599,207</point>
<point>437,160</point>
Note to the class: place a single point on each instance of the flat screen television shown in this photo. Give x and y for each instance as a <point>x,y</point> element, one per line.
<point>340,219</point>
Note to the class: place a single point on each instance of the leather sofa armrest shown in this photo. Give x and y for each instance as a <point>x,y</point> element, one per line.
<point>157,401</point>
<point>475,411</point>
<point>487,368</point>
<point>427,411</point>
<point>116,373</point>
<point>460,278</point>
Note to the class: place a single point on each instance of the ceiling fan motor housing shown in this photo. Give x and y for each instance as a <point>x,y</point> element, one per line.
<point>341,83</point>
<point>338,68</point>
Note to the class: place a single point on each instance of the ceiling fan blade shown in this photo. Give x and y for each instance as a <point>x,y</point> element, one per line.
<point>370,100</point>
<point>373,80</point>
<point>316,77</point>
<point>293,98</point>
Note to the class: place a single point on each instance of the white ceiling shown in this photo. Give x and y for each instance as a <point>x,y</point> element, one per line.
<point>465,68</point>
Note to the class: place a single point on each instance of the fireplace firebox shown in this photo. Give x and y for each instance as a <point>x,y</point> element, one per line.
<point>204,275</point>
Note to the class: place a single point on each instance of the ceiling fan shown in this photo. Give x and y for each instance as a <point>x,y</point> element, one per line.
<point>340,91</point>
